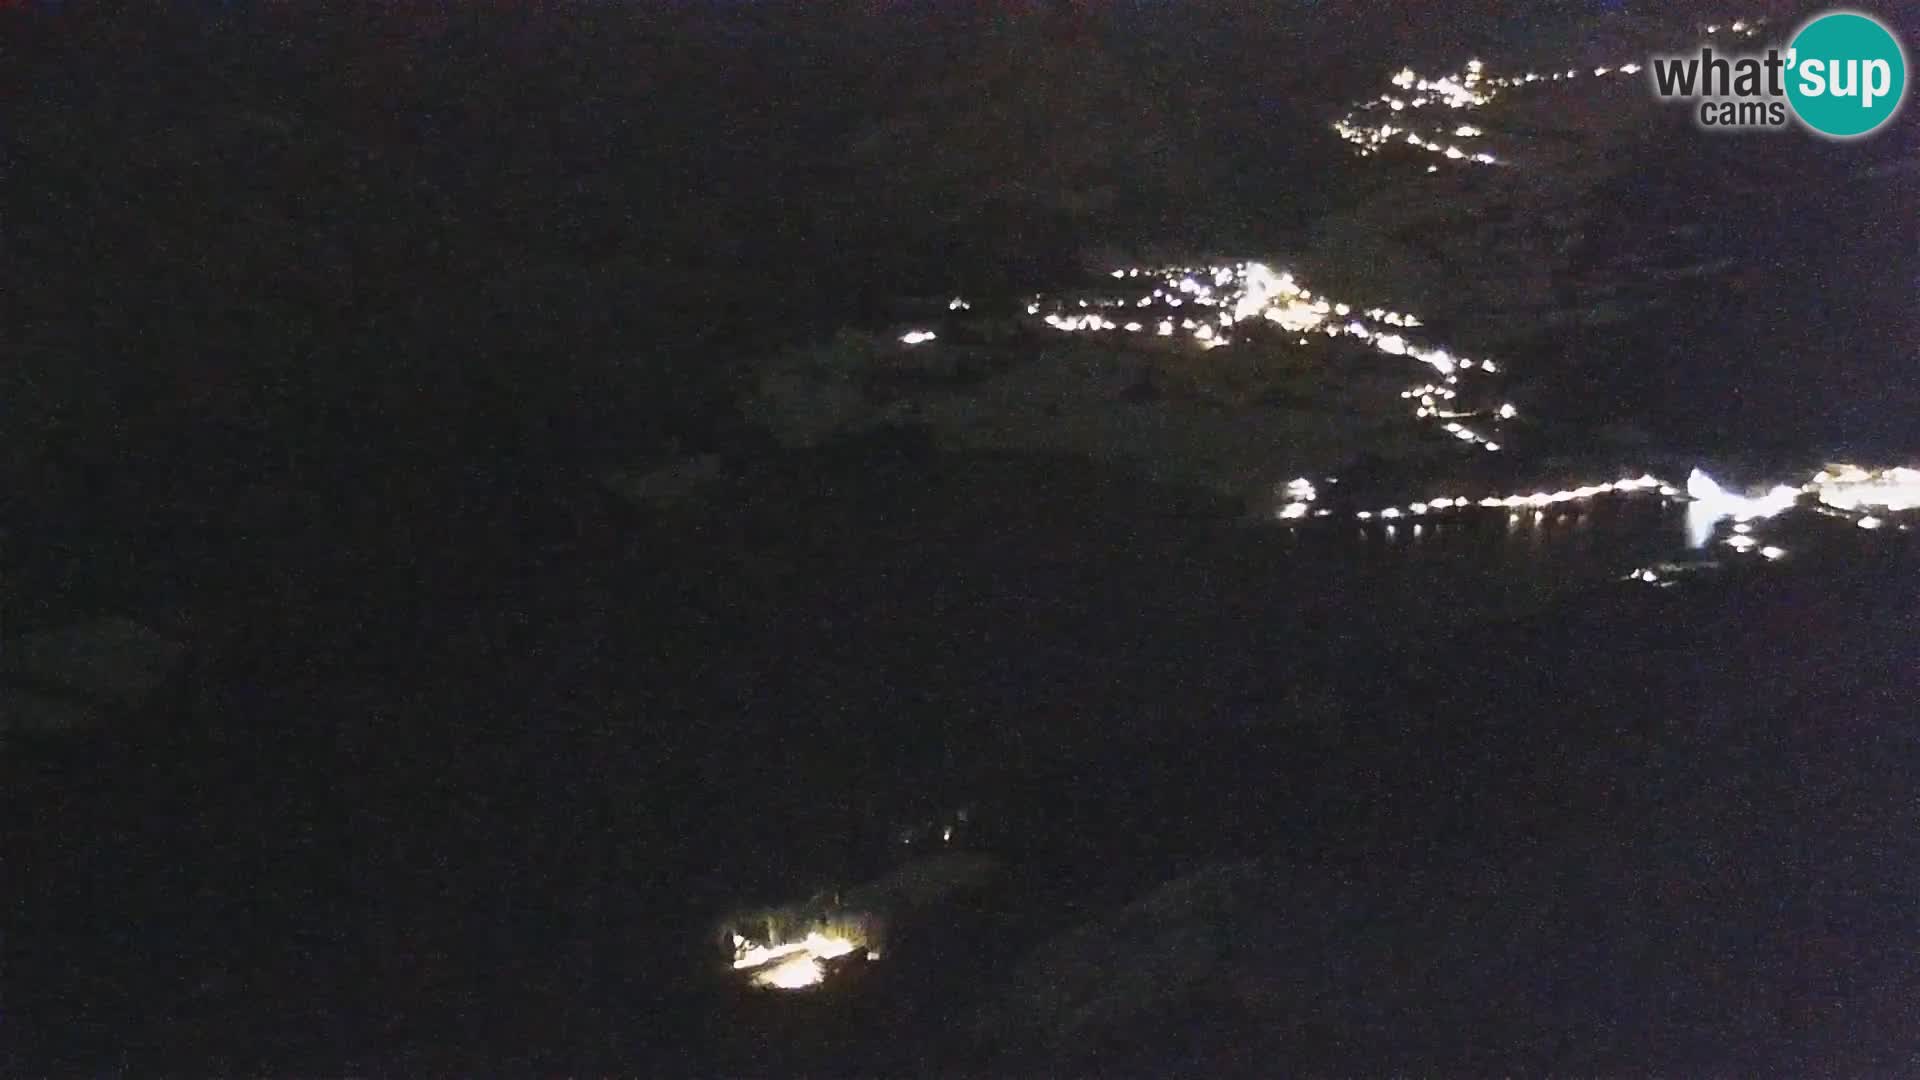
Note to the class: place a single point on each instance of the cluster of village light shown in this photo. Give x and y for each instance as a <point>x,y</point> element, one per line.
<point>1418,104</point>
<point>1204,304</point>
<point>1468,89</point>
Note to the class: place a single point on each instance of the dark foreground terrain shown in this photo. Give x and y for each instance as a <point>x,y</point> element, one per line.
<point>1639,829</point>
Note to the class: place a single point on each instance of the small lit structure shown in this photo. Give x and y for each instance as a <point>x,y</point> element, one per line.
<point>793,965</point>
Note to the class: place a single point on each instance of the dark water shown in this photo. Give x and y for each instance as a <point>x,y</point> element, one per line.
<point>442,815</point>
<point>1338,701</point>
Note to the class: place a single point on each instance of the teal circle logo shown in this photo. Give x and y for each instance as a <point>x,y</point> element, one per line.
<point>1846,74</point>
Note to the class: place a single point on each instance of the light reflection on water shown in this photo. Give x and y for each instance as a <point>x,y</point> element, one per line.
<point>1492,563</point>
<point>1406,580</point>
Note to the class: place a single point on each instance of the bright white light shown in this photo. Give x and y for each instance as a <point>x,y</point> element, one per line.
<point>1712,504</point>
<point>957,304</point>
<point>753,956</point>
<point>916,337</point>
<point>1703,488</point>
<point>796,973</point>
<point>1252,289</point>
<point>1771,553</point>
<point>1850,487</point>
<point>793,965</point>
<point>1869,522</point>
